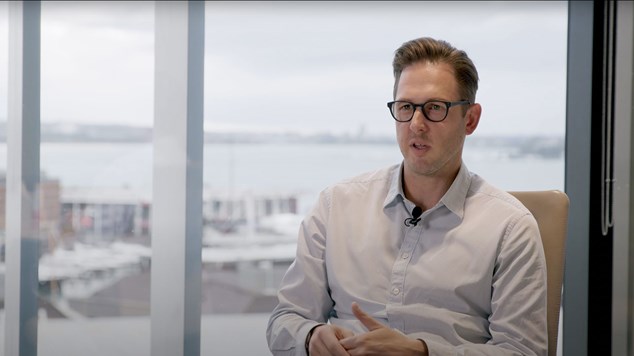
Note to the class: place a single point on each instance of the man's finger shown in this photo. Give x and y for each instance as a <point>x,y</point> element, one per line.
<point>369,322</point>
<point>325,341</point>
<point>342,333</point>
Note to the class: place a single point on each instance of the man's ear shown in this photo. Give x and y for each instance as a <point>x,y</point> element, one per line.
<point>472,118</point>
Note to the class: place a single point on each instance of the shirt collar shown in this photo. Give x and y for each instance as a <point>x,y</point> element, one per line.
<point>454,199</point>
<point>395,192</point>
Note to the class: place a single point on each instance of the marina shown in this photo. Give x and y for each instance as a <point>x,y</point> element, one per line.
<point>95,269</point>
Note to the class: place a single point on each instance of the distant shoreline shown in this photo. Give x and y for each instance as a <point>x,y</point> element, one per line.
<point>547,146</point>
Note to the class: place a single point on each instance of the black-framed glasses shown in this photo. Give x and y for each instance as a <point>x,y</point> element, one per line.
<point>433,110</point>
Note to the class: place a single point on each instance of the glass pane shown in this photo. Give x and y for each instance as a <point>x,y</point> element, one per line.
<point>96,186</point>
<point>295,100</point>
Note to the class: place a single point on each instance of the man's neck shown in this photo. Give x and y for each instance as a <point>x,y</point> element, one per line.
<point>426,191</point>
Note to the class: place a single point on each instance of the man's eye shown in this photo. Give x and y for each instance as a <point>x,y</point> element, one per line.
<point>405,107</point>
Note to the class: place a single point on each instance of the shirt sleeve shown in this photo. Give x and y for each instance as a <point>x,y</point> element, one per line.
<point>303,297</point>
<point>518,320</point>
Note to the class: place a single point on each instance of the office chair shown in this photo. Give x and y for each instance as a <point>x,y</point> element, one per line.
<point>550,209</point>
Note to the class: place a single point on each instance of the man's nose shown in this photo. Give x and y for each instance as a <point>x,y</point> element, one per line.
<point>419,121</point>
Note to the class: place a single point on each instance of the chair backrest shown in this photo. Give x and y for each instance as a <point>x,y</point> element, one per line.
<point>550,209</point>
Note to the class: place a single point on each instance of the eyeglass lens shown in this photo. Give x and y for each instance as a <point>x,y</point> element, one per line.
<point>434,111</point>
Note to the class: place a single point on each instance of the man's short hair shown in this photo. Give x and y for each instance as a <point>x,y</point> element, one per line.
<point>429,50</point>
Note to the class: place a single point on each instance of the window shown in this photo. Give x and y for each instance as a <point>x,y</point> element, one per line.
<point>295,96</point>
<point>95,183</point>
<point>295,100</point>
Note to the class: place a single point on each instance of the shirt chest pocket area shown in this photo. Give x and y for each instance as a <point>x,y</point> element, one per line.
<point>457,282</point>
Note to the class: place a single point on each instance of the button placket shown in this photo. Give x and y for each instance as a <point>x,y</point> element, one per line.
<point>400,265</point>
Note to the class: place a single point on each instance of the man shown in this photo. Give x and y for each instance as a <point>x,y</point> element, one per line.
<point>421,258</point>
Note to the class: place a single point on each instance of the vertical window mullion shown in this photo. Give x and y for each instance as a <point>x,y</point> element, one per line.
<point>23,167</point>
<point>177,196</point>
<point>623,261</point>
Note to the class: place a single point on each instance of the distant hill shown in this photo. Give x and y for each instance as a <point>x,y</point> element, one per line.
<point>516,146</point>
<point>64,132</point>
<point>53,132</point>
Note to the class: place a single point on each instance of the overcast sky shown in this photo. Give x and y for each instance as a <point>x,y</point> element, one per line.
<point>304,66</point>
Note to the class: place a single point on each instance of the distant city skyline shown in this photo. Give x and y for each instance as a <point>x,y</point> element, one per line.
<point>302,67</point>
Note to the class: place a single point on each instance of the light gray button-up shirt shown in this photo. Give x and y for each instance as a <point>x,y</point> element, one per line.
<point>469,278</point>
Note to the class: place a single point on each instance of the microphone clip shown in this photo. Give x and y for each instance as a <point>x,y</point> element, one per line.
<point>416,213</point>
<point>411,222</point>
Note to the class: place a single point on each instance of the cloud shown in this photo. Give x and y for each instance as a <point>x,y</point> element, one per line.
<point>323,66</point>
<point>339,55</point>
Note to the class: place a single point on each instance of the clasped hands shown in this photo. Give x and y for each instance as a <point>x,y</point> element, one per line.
<point>332,340</point>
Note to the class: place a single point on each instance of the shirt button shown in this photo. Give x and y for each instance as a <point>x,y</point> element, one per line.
<point>405,255</point>
<point>396,291</point>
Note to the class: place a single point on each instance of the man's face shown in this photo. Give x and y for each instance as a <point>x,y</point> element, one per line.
<point>433,149</point>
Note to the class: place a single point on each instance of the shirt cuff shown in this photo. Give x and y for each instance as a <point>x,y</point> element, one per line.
<point>301,347</point>
<point>435,348</point>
